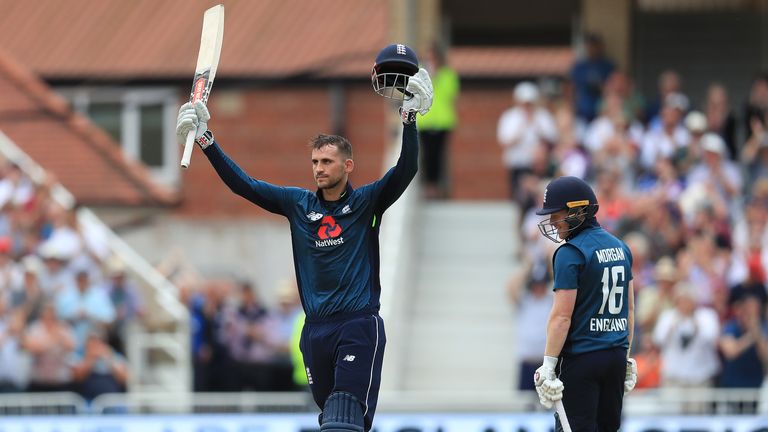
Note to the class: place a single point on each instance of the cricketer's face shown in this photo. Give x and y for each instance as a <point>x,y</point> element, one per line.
<point>557,219</point>
<point>329,167</point>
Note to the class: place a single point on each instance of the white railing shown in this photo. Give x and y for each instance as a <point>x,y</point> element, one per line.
<point>657,402</point>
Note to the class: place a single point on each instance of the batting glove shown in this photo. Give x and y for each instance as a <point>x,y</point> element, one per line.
<point>548,386</point>
<point>192,117</point>
<point>420,86</point>
<point>630,378</point>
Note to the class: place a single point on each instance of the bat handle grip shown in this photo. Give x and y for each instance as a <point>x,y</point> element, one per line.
<point>189,144</point>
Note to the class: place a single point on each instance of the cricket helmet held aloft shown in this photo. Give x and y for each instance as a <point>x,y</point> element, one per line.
<point>394,65</point>
<point>567,193</point>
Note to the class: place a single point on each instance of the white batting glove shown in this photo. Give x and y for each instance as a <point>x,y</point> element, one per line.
<point>548,386</point>
<point>630,378</point>
<point>192,117</point>
<point>420,86</point>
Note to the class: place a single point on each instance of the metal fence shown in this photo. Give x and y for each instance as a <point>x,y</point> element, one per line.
<point>639,403</point>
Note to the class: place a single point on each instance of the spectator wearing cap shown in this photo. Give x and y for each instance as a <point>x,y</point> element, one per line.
<point>57,276</point>
<point>60,232</point>
<point>531,296</point>
<point>588,75</point>
<point>716,172</point>
<point>659,297</point>
<point>696,124</point>
<point>86,307</point>
<point>524,131</point>
<point>668,138</point>
<point>687,337</point>
<point>744,345</point>
<point>126,300</point>
<point>99,369</point>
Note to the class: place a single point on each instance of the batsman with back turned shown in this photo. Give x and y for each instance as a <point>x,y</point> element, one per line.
<point>335,239</point>
<point>589,331</point>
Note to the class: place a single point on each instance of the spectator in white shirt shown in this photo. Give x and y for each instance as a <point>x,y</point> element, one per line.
<point>687,337</point>
<point>670,137</point>
<point>716,171</point>
<point>523,131</point>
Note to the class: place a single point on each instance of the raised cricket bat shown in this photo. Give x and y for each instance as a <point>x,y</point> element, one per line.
<point>560,410</point>
<point>207,62</point>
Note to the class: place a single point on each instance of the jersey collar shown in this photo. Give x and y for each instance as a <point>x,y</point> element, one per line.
<point>344,195</point>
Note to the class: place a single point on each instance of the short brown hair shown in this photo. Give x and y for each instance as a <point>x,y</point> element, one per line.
<point>341,143</point>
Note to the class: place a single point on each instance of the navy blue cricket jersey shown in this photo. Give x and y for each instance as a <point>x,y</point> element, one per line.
<point>335,243</point>
<point>599,266</point>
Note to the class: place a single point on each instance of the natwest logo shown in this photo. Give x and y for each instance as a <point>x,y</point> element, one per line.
<point>328,228</point>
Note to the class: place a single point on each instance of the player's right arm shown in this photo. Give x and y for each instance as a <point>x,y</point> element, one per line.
<point>559,321</point>
<point>267,196</point>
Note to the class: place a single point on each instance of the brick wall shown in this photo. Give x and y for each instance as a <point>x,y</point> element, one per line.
<point>476,168</point>
<point>266,132</point>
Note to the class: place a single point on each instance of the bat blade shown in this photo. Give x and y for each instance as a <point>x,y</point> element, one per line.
<point>207,63</point>
<point>560,413</point>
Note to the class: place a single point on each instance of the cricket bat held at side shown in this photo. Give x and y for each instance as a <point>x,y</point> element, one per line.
<point>207,62</point>
<point>560,410</point>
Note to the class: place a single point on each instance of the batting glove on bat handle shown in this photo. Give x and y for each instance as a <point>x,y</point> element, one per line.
<point>630,378</point>
<point>192,117</point>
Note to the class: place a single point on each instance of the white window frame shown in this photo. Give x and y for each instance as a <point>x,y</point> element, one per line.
<point>131,99</point>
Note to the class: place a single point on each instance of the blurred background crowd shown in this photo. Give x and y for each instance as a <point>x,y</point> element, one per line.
<point>686,187</point>
<point>66,305</point>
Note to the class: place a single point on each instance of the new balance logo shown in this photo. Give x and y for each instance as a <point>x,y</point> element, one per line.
<point>401,49</point>
<point>346,209</point>
<point>313,216</point>
<point>349,358</point>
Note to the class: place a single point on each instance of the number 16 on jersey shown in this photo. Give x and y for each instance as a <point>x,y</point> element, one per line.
<point>207,62</point>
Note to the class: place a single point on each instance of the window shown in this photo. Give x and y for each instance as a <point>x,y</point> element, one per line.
<point>140,120</point>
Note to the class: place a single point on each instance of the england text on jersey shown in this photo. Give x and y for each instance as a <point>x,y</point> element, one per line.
<point>608,324</point>
<point>609,255</point>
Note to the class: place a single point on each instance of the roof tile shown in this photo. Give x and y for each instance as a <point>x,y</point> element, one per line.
<point>44,127</point>
<point>115,39</point>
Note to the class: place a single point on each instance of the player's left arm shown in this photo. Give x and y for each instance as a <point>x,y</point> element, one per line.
<point>397,179</point>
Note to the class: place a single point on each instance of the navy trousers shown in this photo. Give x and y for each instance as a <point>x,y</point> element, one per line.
<point>594,389</point>
<point>345,354</point>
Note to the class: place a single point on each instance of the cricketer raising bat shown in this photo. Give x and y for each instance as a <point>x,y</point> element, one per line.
<point>207,62</point>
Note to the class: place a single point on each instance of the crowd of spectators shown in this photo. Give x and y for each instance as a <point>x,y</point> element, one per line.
<point>239,341</point>
<point>65,301</point>
<point>685,186</point>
